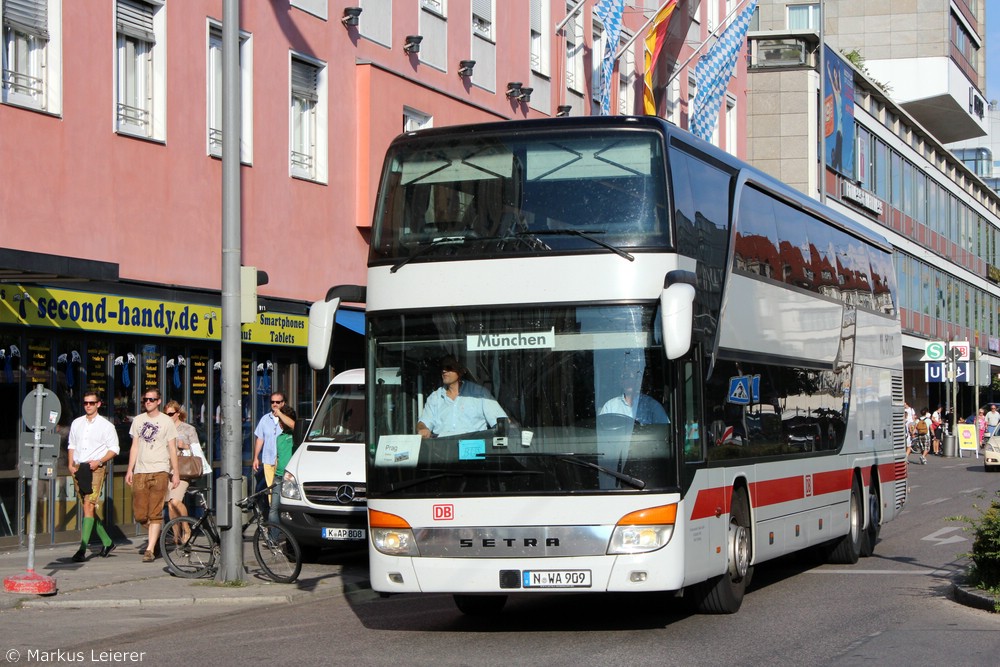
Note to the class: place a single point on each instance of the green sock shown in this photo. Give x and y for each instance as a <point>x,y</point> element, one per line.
<point>101,533</point>
<point>88,528</point>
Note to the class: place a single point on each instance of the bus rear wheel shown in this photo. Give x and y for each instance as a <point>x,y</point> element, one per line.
<point>724,594</point>
<point>480,605</point>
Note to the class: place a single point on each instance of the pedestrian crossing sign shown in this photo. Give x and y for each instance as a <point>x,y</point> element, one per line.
<point>739,390</point>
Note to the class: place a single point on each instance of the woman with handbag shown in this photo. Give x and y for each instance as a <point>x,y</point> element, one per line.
<point>191,464</point>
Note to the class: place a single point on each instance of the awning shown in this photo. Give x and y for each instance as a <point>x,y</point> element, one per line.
<point>352,319</point>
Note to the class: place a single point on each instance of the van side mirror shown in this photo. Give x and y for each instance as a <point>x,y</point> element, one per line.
<point>677,313</point>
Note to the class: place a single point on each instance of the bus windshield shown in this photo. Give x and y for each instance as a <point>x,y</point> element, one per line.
<point>549,400</point>
<point>480,195</point>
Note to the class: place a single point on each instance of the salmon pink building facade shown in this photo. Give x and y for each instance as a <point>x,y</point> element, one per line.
<point>111,180</point>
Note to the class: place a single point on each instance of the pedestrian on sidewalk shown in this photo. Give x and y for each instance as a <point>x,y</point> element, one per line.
<point>93,443</point>
<point>150,462</point>
<point>284,446</point>
<point>265,448</point>
<point>187,445</point>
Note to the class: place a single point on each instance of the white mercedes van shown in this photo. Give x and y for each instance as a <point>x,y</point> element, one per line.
<point>323,489</point>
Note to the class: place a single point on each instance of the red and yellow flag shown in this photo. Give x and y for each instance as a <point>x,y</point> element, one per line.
<point>655,40</point>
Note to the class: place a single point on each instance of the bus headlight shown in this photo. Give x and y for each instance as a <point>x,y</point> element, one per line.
<point>391,534</point>
<point>394,542</point>
<point>290,488</point>
<point>643,531</point>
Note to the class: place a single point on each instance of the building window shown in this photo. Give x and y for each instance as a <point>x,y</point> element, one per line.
<point>482,19</point>
<point>31,53</point>
<point>803,17</point>
<point>626,79</point>
<point>215,94</point>
<point>539,18</point>
<point>376,21</point>
<point>731,124</point>
<point>139,86</point>
<point>597,64</point>
<point>436,6</point>
<point>414,120</point>
<point>574,52</point>
<point>308,119</point>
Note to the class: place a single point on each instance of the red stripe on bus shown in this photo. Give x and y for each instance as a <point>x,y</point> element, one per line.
<point>774,491</point>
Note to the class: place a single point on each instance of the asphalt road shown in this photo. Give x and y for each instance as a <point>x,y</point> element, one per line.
<point>891,609</point>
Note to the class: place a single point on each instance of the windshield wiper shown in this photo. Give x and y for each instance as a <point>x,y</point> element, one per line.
<point>583,235</point>
<point>435,243</point>
<point>392,488</point>
<point>570,457</point>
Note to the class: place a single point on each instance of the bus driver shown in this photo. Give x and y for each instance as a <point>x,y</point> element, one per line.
<point>458,406</point>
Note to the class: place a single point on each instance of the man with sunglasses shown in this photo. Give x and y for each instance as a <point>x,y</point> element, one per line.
<point>265,448</point>
<point>152,467</point>
<point>458,405</point>
<point>93,443</point>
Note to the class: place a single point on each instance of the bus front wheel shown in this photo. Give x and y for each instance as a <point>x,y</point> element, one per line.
<point>870,536</point>
<point>724,594</point>
<point>847,549</point>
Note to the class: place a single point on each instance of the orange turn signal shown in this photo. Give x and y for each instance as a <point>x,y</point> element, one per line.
<point>378,519</point>
<point>662,515</point>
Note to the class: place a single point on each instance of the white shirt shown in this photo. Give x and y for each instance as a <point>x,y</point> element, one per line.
<point>91,440</point>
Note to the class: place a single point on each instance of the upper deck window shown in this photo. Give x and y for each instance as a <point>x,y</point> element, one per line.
<point>525,194</point>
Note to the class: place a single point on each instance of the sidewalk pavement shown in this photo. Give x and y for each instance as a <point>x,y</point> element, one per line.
<point>123,580</point>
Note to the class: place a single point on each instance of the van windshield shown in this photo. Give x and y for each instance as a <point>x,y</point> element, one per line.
<point>341,415</point>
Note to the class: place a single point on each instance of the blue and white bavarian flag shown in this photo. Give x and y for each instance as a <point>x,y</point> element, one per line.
<point>713,71</point>
<point>610,13</point>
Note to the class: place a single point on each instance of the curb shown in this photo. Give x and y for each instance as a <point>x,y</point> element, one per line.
<point>158,602</point>
<point>973,597</point>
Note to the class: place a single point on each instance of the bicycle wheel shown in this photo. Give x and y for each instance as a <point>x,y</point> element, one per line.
<point>277,552</point>
<point>192,557</point>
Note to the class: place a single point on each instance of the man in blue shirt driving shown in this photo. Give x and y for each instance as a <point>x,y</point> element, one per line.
<point>458,406</point>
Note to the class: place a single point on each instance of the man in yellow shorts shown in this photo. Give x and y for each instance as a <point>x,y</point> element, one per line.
<point>93,443</point>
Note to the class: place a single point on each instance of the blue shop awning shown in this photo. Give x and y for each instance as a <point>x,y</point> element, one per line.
<point>352,319</point>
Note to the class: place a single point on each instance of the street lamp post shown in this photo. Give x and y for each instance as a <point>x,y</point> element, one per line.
<point>231,561</point>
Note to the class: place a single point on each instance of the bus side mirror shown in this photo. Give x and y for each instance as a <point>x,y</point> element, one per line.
<point>321,322</point>
<point>676,318</point>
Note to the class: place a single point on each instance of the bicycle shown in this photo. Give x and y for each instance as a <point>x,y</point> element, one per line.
<point>192,551</point>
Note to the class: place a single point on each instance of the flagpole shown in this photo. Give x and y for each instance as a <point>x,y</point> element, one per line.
<point>712,34</point>
<point>570,14</point>
<point>641,30</point>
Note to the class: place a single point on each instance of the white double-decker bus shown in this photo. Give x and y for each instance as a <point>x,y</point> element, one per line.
<point>672,367</point>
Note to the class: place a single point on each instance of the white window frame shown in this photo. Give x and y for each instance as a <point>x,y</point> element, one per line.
<point>414,120</point>
<point>812,15</point>
<point>731,125</point>
<point>597,59</point>
<point>574,54</point>
<point>484,27</point>
<point>140,78</point>
<point>626,78</point>
<point>308,146</point>
<point>439,7</point>
<point>33,80</point>
<point>213,79</point>
<point>539,37</point>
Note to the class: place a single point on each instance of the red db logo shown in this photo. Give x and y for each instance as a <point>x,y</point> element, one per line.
<point>444,512</point>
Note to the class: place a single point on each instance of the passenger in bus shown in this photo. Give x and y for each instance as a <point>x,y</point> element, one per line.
<point>633,403</point>
<point>458,405</point>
